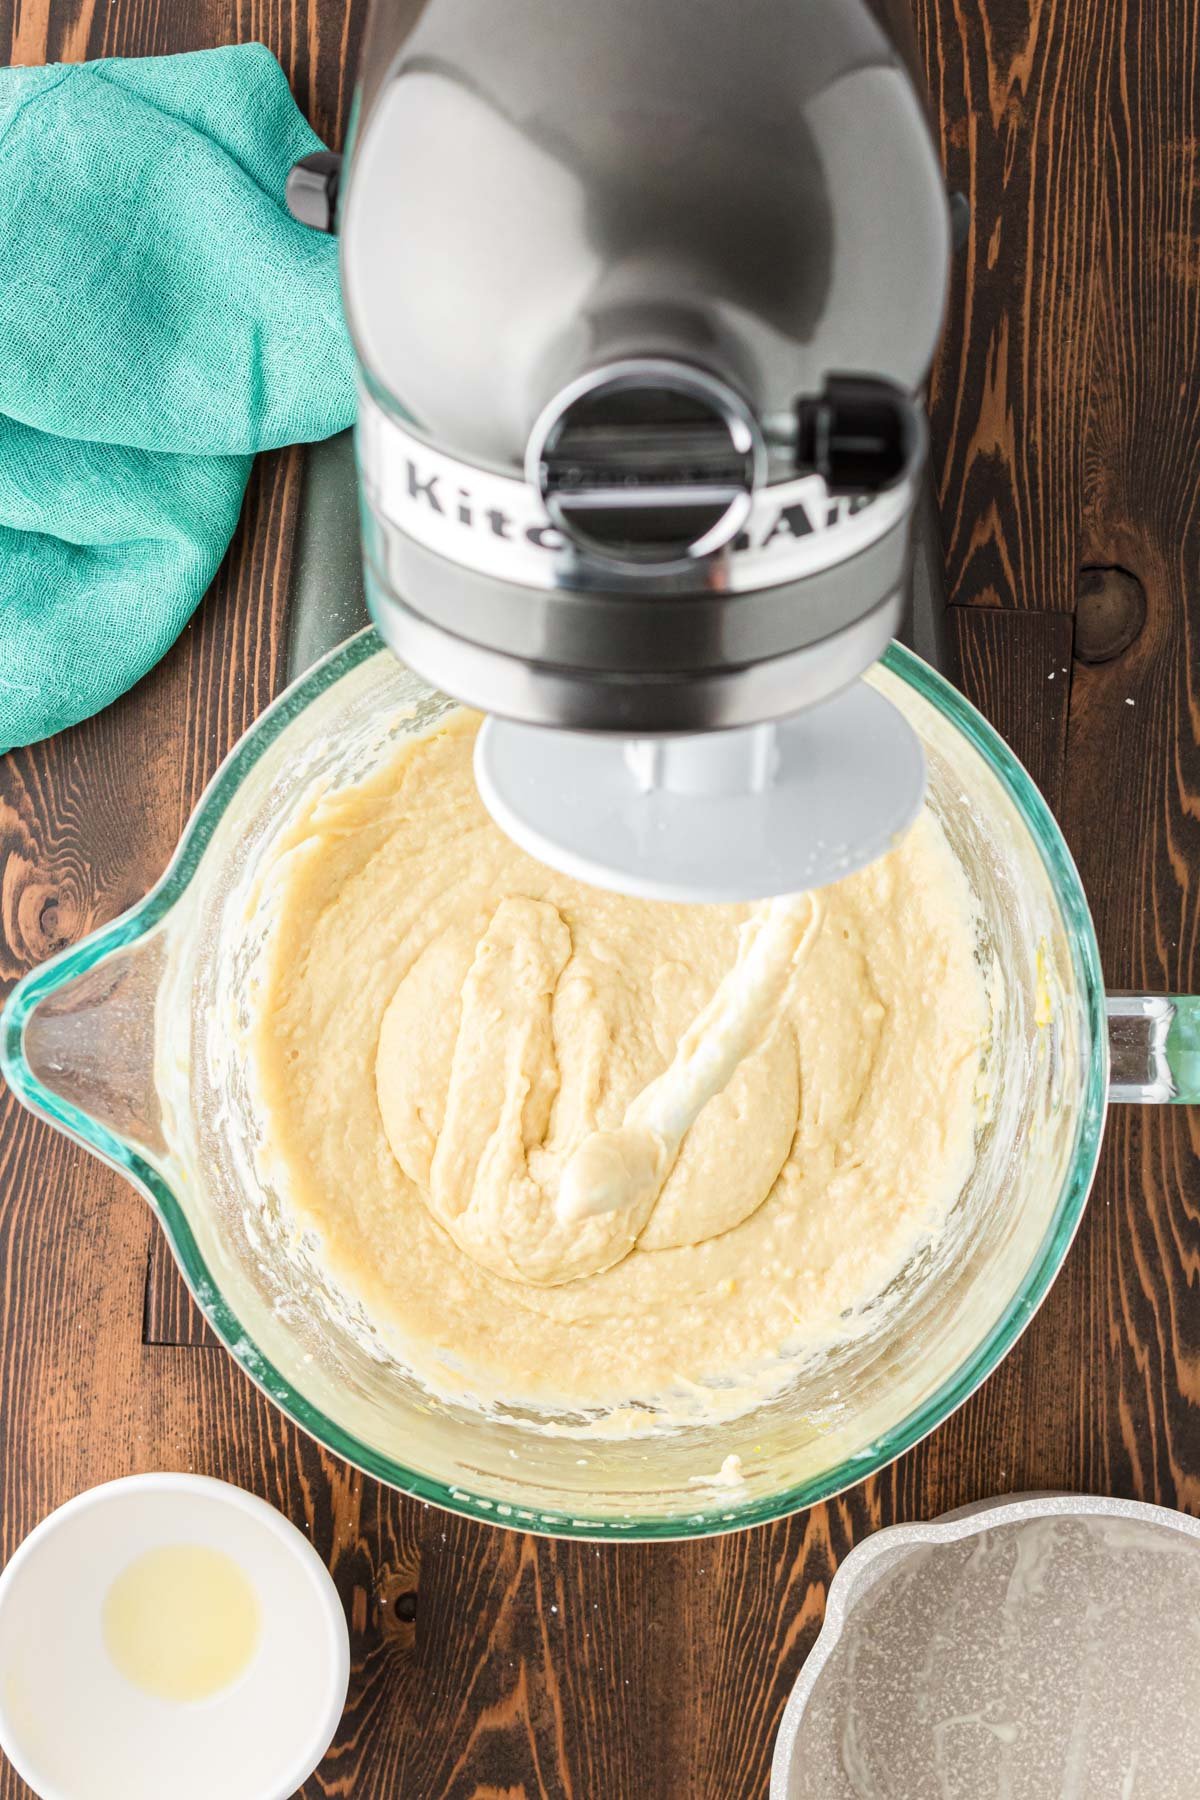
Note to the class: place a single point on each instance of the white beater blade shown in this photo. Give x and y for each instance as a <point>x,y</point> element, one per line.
<point>727,815</point>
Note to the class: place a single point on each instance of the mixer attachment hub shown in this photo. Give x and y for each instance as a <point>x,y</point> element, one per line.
<point>647,461</point>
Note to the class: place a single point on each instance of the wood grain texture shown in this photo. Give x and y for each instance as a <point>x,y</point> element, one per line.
<point>493,1667</point>
<point>1024,94</point>
<point>170,1315</point>
<point>1018,667</point>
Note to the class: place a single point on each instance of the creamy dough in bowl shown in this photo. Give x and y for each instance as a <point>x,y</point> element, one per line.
<point>442,1023</point>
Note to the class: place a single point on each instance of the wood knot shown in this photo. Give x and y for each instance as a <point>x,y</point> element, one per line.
<point>1110,610</point>
<point>396,1600</point>
<point>43,921</point>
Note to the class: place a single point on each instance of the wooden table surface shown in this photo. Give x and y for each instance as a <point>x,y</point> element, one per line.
<point>1066,414</point>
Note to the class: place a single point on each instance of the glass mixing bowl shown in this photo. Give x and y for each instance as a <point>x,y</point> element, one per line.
<point>123,1042</point>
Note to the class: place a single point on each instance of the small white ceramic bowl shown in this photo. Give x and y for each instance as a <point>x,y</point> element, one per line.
<point>76,1729</point>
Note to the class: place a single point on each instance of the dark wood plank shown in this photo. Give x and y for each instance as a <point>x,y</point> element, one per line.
<point>1023,97</point>
<point>1017,669</point>
<point>169,1314</point>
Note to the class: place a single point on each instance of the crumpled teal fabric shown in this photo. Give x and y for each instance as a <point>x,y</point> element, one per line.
<point>162,318</point>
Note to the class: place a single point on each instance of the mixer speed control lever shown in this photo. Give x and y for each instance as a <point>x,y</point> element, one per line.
<point>862,435</point>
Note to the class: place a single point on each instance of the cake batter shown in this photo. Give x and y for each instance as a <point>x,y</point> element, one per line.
<point>474,1088</point>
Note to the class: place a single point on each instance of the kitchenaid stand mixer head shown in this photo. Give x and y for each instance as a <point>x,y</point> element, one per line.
<point>644,293</point>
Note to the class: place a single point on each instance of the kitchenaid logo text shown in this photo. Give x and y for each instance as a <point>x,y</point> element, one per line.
<point>499,525</point>
<point>795,519</point>
<point>425,488</point>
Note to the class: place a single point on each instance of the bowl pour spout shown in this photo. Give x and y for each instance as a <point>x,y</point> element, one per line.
<point>77,1041</point>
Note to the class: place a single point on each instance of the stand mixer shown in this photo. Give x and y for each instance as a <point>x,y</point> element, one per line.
<point>644,297</point>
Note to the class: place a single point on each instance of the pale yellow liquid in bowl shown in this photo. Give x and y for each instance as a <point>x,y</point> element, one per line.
<point>181,1622</point>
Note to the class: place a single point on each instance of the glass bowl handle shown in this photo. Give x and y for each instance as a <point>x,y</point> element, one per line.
<point>1154,1048</point>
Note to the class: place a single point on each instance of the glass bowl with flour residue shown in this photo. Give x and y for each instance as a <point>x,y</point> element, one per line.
<point>1016,1649</point>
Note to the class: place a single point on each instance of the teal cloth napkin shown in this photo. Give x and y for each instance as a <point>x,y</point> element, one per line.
<point>162,318</point>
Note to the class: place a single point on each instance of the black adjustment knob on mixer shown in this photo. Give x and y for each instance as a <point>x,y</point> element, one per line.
<point>862,435</point>
<point>647,462</point>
